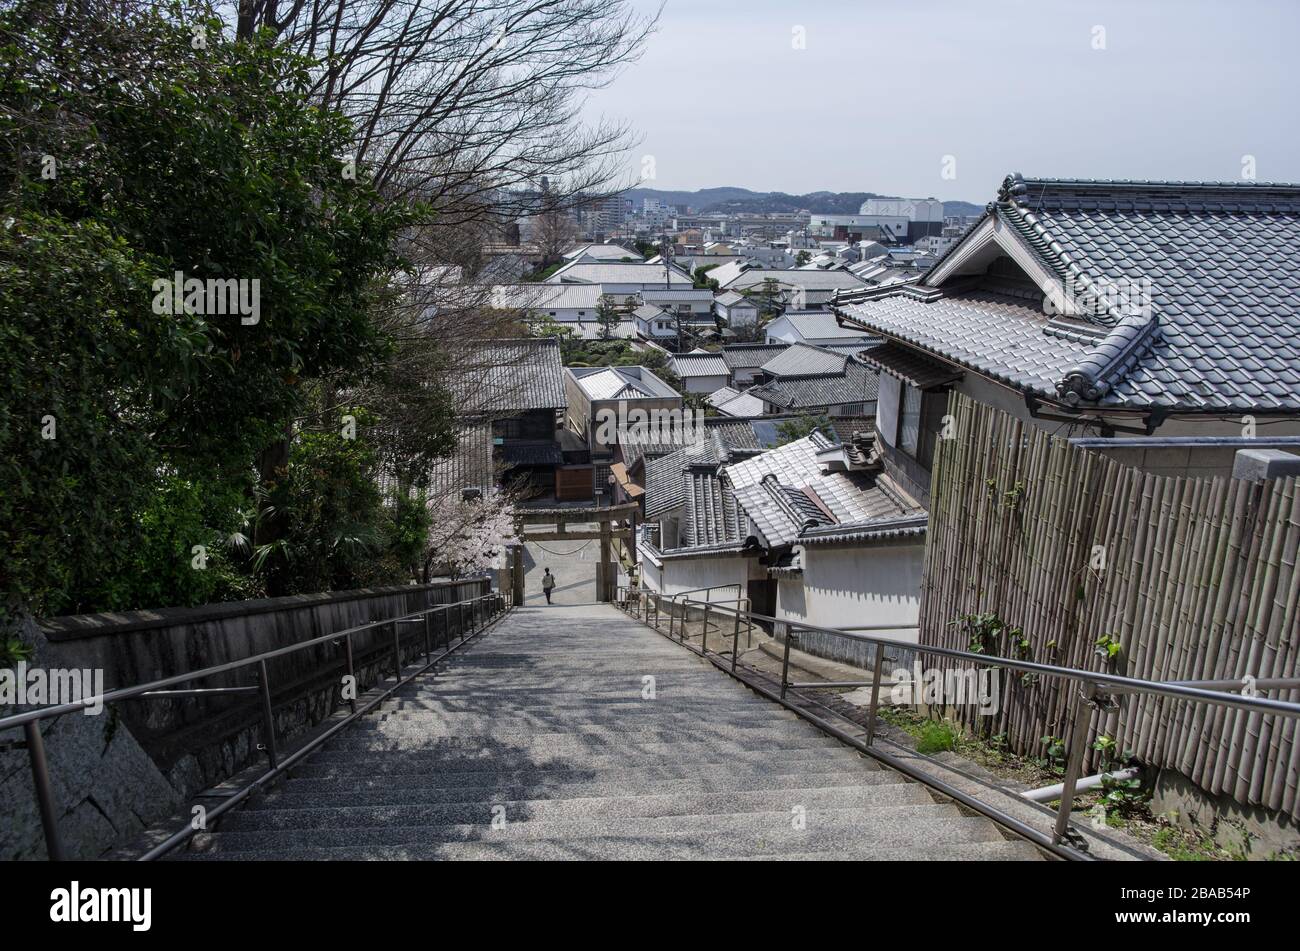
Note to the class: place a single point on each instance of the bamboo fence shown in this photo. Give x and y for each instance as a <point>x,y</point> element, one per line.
<point>1195,578</point>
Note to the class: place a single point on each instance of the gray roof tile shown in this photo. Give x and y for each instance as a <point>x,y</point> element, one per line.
<point>857,384</point>
<point>510,376</point>
<point>1222,333</point>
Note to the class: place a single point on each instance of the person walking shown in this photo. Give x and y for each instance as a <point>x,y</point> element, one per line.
<point>548,582</point>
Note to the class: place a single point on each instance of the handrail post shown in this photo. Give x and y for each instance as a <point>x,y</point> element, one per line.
<point>397,652</point>
<point>352,673</point>
<point>1074,766</point>
<point>704,633</point>
<point>44,795</point>
<point>875,693</point>
<point>268,717</point>
<point>735,637</point>
<point>428,644</point>
<point>785,660</point>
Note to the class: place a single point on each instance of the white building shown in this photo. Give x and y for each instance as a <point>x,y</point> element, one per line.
<point>735,309</point>
<point>700,371</point>
<point>622,279</point>
<point>654,322</point>
<point>812,531</point>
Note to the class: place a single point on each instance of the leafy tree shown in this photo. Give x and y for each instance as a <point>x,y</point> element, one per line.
<point>770,297</point>
<point>702,279</point>
<point>157,156</point>
<point>802,258</point>
<point>789,430</point>
<point>608,316</point>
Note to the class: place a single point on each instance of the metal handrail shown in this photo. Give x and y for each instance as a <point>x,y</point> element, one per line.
<point>646,597</point>
<point>1097,688</point>
<point>672,602</point>
<point>30,719</point>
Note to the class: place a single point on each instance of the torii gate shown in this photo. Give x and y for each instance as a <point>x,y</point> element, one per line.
<point>611,520</point>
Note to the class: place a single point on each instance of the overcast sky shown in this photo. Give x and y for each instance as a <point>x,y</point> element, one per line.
<point>884,90</point>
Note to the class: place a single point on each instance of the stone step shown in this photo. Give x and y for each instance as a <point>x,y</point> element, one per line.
<point>650,743</point>
<point>760,831</point>
<point>647,730</point>
<point>676,764</point>
<point>414,789</point>
<point>618,848</point>
<point>291,814</point>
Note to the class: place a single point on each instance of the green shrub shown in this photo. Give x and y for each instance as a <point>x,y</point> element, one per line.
<point>936,736</point>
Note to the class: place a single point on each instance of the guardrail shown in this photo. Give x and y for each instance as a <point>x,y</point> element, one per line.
<point>638,603</point>
<point>480,611</point>
<point>1098,690</point>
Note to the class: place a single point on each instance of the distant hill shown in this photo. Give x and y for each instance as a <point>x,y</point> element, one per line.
<point>743,201</point>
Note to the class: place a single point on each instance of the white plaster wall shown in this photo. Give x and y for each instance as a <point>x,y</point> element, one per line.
<point>687,574</point>
<point>705,384</point>
<point>855,587</point>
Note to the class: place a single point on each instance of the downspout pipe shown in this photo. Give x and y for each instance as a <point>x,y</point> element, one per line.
<point>1048,793</point>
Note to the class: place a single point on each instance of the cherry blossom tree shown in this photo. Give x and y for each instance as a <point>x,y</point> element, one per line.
<point>467,536</point>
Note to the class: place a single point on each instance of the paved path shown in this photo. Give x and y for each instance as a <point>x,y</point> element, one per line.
<point>576,733</point>
<point>572,562</point>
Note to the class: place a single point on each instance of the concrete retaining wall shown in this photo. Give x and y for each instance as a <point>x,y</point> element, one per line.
<point>115,773</point>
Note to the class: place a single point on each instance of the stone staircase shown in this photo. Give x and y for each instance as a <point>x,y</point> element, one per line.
<point>541,741</point>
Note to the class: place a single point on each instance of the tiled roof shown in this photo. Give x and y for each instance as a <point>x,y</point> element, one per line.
<point>699,364</point>
<point>778,512</point>
<point>820,324</point>
<point>807,280</point>
<point>665,487</point>
<point>909,365</point>
<point>649,274</point>
<point>735,434</point>
<point>712,514</point>
<point>653,441</point>
<point>729,298</point>
<point>743,436</point>
<point>470,465</point>
<point>649,312</point>
<point>538,454</point>
<point>794,464</point>
<point>743,356</point>
<point>846,426</point>
<point>621,383</point>
<point>546,296</point>
<point>786,493</point>
<point>882,528</point>
<point>678,295</point>
<point>510,376</point>
<point>856,385</point>
<point>721,395</point>
<point>1221,333</point>
<point>744,405</point>
<point>803,359</point>
<point>601,252</point>
<point>998,335</point>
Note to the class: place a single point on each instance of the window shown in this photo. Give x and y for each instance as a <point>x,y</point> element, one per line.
<point>909,420</point>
